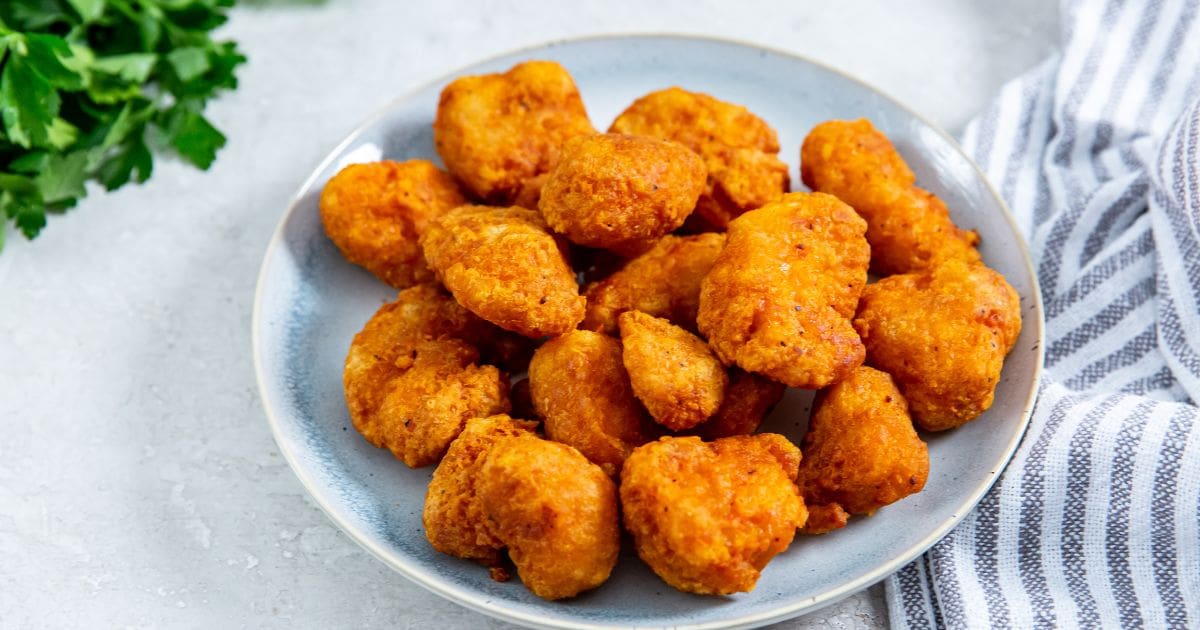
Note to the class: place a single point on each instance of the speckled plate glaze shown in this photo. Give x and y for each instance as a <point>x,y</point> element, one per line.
<point>311,302</point>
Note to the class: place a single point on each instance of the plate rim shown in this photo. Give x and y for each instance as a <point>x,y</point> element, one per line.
<point>485,605</point>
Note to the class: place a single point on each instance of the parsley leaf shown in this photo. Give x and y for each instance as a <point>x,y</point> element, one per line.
<point>28,103</point>
<point>90,90</point>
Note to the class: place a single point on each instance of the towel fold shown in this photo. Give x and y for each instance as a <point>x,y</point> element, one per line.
<point>1096,521</point>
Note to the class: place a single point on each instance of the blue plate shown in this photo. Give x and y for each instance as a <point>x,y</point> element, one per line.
<point>311,302</point>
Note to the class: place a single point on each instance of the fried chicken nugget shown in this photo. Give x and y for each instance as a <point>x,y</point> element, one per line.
<point>740,150</point>
<point>375,213</point>
<point>824,518</point>
<point>554,510</point>
<point>708,516</point>
<point>663,282</point>
<point>672,371</point>
<point>620,192</point>
<point>582,394</point>
<point>779,298</point>
<point>410,376</point>
<point>861,451</point>
<point>427,406</point>
<point>909,228</point>
<point>453,517</point>
<point>504,265</point>
<point>500,134</point>
<point>942,334</point>
<point>748,399</point>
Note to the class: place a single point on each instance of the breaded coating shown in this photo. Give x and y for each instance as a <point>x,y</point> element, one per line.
<point>672,371</point>
<point>504,265</point>
<point>861,451</point>
<point>418,313</point>
<point>708,516</point>
<point>779,298</point>
<point>500,134</point>
<point>823,519</point>
<point>663,282</point>
<point>740,150</point>
<point>426,326</point>
<point>942,334</point>
<point>375,213</point>
<point>620,192</point>
<point>554,510</point>
<point>908,227</point>
<point>428,405</point>
<point>582,394</point>
<point>453,516</point>
<point>748,400</point>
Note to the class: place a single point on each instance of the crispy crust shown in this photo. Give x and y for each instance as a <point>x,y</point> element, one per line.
<point>749,398</point>
<point>861,451</point>
<point>672,371</point>
<point>375,213</point>
<point>428,405</point>
<point>779,298</point>
<point>554,510</point>
<point>708,516</point>
<point>582,393</point>
<point>943,335</point>
<point>453,516</point>
<point>620,192</point>
<point>500,134</point>
<point>504,265</point>
<point>663,282</point>
<point>908,227</point>
<point>740,150</point>
<point>410,376</point>
<point>823,519</point>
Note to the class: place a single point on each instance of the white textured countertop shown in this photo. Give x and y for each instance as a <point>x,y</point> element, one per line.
<point>139,484</point>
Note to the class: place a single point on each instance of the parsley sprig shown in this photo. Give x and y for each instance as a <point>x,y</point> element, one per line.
<point>90,89</point>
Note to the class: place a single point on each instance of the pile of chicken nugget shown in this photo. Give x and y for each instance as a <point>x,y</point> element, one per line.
<point>661,287</point>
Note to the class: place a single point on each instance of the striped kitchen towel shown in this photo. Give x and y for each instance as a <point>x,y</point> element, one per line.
<point>1096,522</point>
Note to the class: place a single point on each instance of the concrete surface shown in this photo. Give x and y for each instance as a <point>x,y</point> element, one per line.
<point>139,485</point>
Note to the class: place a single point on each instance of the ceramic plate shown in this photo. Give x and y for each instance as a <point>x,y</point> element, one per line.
<point>311,302</point>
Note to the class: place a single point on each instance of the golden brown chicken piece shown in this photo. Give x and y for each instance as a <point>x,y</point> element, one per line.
<point>708,516</point>
<point>430,303</point>
<point>663,282</point>
<point>861,451</point>
<point>825,518</point>
<point>740,150</point>
<point>504,265</point>
<point>620,192</point>
<point>427,406</point>
<point>418,313</point>
<point>410,376</point>
<point>749,398</point>
<point>672,371</point>
<point>908,227</point>
<point>554,510</point>
<point>375,213</point>
<point>779,298</point>
<point>453,517</point>
<point>500,134</point>
<point>582,393</point>
<point>943,335</point>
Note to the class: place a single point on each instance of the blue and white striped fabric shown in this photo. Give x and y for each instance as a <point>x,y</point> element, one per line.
<point>1096,522</point>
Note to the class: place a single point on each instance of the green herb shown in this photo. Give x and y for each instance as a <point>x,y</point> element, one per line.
<point>88,88</point>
